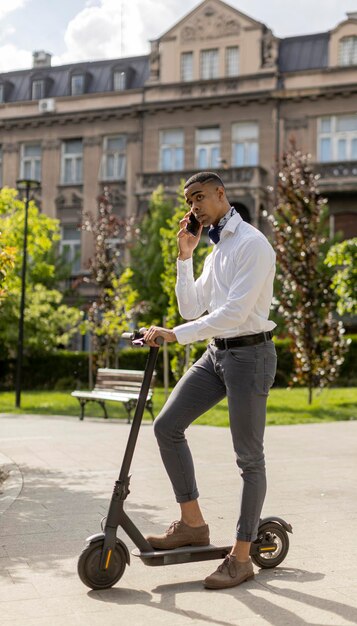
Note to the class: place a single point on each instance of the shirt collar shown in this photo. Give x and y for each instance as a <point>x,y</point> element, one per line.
<point>232,224</point>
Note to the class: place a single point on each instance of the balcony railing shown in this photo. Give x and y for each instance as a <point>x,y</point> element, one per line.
<point>343,169</point>
<point>251,176</point>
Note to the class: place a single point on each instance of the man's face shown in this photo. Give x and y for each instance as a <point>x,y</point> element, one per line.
<point>206,201</point>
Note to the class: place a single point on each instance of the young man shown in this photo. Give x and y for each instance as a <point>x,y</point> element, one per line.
<point>230,303</point>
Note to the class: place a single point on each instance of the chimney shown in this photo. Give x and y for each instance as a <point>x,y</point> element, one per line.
<point>352,15</point>
<point>40,58</point>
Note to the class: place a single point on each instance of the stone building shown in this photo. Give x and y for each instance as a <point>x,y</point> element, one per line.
<point>218,91</point>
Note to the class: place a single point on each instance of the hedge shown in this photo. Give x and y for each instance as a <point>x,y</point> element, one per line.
<point>70,370</point>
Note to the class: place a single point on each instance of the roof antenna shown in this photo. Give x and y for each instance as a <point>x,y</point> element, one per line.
<point>121,28</point>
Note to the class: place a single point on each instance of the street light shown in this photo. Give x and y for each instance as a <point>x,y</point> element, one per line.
<point>28,185</point>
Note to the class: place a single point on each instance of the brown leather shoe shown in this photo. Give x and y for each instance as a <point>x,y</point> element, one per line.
<point>229,574</point>
<point>179,534</point>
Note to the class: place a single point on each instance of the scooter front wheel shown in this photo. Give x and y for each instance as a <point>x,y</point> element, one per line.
<point>264,554</point>
<point>89,566</point>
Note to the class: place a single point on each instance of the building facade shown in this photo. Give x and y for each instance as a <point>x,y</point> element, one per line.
<point>218,91</point>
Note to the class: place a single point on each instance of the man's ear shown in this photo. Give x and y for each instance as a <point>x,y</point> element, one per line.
<point>220,192</point>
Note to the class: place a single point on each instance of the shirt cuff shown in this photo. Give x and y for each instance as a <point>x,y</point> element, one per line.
<point>184,268</point>
<point>186,333</point>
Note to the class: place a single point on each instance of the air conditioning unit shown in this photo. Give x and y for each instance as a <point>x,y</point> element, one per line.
<point>47,105</point>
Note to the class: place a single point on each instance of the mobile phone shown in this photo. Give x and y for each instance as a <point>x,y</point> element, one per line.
<point>193,225</point>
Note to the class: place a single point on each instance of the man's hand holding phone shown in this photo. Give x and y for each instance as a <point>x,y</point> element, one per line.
<point>188,236</point>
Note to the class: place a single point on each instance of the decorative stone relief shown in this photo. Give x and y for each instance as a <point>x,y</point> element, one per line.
<point>269,49</point>
<point>10,147</point>
<point>51,144</point>
<point>92,141</point>
<point>68,199</point>
<point>154,61</point>
<point>295,124</point>
<point>210,24</point>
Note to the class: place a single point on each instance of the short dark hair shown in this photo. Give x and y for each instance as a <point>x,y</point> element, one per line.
<point>204,177</point>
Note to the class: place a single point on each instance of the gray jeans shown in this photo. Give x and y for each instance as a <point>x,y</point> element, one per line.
<point>244,375</point>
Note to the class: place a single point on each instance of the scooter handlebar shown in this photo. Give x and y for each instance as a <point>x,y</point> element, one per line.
<point>137,338</point>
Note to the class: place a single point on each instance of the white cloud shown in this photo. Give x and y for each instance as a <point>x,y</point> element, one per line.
<point>113,29</point>
<point>15,58</point>
<point>8,6</point>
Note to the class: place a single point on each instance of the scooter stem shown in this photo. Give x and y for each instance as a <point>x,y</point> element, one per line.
<point>139,410</point>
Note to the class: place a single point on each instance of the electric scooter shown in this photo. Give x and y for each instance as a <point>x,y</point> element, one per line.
<point>103,560</point>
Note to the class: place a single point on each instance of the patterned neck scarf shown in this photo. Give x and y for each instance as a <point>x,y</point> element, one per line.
<point>214,232</point>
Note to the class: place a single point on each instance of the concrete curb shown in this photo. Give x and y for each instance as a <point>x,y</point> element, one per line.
<point>12,486</point>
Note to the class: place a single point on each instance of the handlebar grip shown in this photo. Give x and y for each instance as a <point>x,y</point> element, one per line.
<point>137,337</point>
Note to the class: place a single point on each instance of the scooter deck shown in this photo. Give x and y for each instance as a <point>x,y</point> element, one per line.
<point>186,554</point>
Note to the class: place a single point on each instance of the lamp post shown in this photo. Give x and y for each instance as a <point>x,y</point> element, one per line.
<point>27,185</point>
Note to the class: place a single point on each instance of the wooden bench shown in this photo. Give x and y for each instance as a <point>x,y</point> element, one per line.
<point>118,386</point>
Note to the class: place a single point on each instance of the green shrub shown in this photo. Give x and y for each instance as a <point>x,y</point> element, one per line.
<point>70,370</point>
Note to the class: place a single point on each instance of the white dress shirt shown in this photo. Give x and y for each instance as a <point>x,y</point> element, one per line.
<point>235,288</point>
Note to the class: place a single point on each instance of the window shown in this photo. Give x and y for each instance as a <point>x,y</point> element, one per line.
<point>77,84</point>
<point>30,167</point>
<point>71,246</point>
<point>119,81</point>
<point>171,150</point>
<point>187,66</point>
<point>114,158</point>
<point>232,61</point>
<point>208,147</point>
<point>209,64</point>
<point>337,138</point>
<point>72,161</point>
<point>348,51</point>
<point>38,89</point>
<point>245,144</point>
<point>2,93</point>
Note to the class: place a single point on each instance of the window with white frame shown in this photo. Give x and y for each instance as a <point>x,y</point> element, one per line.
<point>172,150</point>
<point>119,80</point>
<point>209,64</point>
<point>30,164</point>
<point>337,138</point>
<point>70,246</point>
<point>77,84</point>
<point>347,52</point>
<point>114,158</point>
<point>186,66</point>
<point>208,147</point>
<point>72,161</point>
<point>245,144</point>
<point>232,61</point>
<point>38,89</point>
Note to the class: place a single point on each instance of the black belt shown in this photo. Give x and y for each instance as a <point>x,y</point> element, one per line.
<point>245,340</point>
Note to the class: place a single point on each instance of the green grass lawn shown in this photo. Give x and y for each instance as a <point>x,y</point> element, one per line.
<point>284,406</point>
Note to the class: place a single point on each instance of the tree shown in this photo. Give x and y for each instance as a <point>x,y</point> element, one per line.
<point>169,249</point>
<point>146,258</point>
<point>306,299</point>
<point>48,322</point>
<point>342,258</point>
<point>7,263</point>
<point>115,304</point>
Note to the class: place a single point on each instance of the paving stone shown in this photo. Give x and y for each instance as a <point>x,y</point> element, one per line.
<point>68,479</point>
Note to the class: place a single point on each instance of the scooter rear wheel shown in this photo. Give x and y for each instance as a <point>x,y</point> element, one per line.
<point>275,533</point>
<point>89,571</point>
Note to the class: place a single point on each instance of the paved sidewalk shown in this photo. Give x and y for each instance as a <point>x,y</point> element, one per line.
<point>61,477</point>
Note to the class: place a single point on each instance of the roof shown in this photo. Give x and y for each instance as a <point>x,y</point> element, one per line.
<point>306,52</point>
<point>99,76</point>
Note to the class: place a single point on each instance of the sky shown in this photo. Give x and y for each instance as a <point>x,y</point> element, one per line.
<point>78,30</point>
